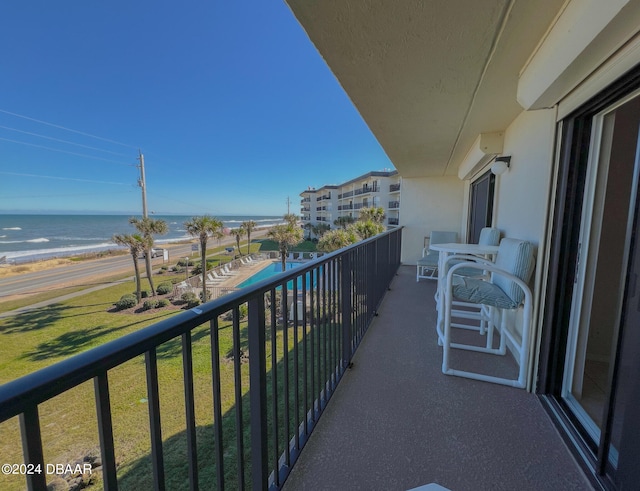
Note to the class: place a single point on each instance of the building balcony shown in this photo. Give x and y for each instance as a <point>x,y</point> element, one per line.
<point>348,194</point>
<point>393,221</point>
<point>355,401</point>
<point>396,422</point>
<point>345,207</point>
<point>393,205</point>
<point>394,188</point>
<point>306,209</point>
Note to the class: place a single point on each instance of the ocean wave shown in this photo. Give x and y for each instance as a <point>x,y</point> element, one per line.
<point>31,241</point>
<point>12,228</point>
<point>60,251</point>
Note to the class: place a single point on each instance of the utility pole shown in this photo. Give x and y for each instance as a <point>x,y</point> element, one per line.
<point>143,185</point>
<point>288,203</point>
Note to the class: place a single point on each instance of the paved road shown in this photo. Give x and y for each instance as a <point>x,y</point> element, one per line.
<point>85,273</point>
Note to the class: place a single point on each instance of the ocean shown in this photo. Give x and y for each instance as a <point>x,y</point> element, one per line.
<point>26,238</point>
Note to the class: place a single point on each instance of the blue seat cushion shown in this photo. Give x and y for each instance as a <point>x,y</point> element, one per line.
<point>475,290</point>
<point>430,260</point>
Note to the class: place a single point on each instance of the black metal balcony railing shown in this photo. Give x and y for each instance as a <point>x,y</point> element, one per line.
<point>345,207</point>
<point>394,187</point>
<point>302,330</point>
<point>348,194</point>
<point>393,221</point>
<point>394,204</point>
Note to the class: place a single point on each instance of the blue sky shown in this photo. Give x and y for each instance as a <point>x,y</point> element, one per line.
<point>230,103</point>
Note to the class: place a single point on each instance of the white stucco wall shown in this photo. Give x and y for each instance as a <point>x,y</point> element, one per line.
<point>522,193</point>
<point>426,204</point>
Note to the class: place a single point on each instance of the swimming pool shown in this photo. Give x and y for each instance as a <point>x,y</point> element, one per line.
<point>273,269</point>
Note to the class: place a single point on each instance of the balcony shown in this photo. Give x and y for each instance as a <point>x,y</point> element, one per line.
<point>348,194</point>
<point>345,207</point>
<point>393,205</point>
<point>393,188</point>
<point>393,221</point>
<point>396,422</point>
<point>268,380</point>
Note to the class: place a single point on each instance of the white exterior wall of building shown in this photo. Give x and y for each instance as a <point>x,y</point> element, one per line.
<point>429,203</point>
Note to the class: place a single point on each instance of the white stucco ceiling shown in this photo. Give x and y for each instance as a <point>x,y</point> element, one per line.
<point>428,76</point>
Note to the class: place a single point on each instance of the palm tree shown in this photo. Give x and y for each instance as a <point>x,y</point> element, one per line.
<point>238,233</point>
<point>149,227</point>
<point>136,244</point>
<point>375,215</point>
<point>337,239</point>
<point>203,227</point>
<point>286,235</point>
<point>342,222</point>
<point>291,218</point>
<point>248,226</point>
<point>322,228</point>
<point>309,228</point>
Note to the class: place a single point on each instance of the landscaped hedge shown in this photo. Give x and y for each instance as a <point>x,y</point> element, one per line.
<point>149,304</point>
<point>164,288</point>
<point>126,301</point>
<point>191,299</point>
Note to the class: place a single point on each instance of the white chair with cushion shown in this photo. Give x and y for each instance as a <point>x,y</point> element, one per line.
<point>506,290</point>
<point>427,265</point>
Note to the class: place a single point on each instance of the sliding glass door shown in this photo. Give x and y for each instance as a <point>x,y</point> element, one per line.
<point>590,361</point>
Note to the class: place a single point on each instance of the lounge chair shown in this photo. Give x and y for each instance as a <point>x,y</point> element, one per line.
<point>427,265</point>
<point>228,271</point>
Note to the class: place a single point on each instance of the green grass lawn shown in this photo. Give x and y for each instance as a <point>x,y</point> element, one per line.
<point>270,245</point>
<point>49,334</point>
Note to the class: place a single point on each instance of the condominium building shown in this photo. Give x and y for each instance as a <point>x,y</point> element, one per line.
<point>374,189</point>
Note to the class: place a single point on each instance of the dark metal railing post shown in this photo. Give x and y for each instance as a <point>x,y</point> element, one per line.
<point>258,393</point>
<point>105,431</point>
<point>32,448</point>
<point>190,410</point>
<point>155,429</point>
<point>345,288</point>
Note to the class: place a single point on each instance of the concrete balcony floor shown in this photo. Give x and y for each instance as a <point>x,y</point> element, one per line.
<point>396,422</point>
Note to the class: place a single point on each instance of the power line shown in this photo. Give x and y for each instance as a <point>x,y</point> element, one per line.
<point>66,151</point>
<point>64,141</point>
<point>66,129</point>
<point>19,196</point>
<point>64,178</point>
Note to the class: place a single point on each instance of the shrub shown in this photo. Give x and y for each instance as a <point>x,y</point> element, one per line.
<point>164,268</point>
<point>126,302</point>
<point>183,262</point>
<point>163,302</point>
<point>164,288</point>
<point>149,304</point>
<point>243,310</point>
<point>175,269</point>
<point>191,299</point>
<point>144,293</point>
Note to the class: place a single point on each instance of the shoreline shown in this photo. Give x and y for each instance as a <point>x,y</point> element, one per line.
<point>8,270</point>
